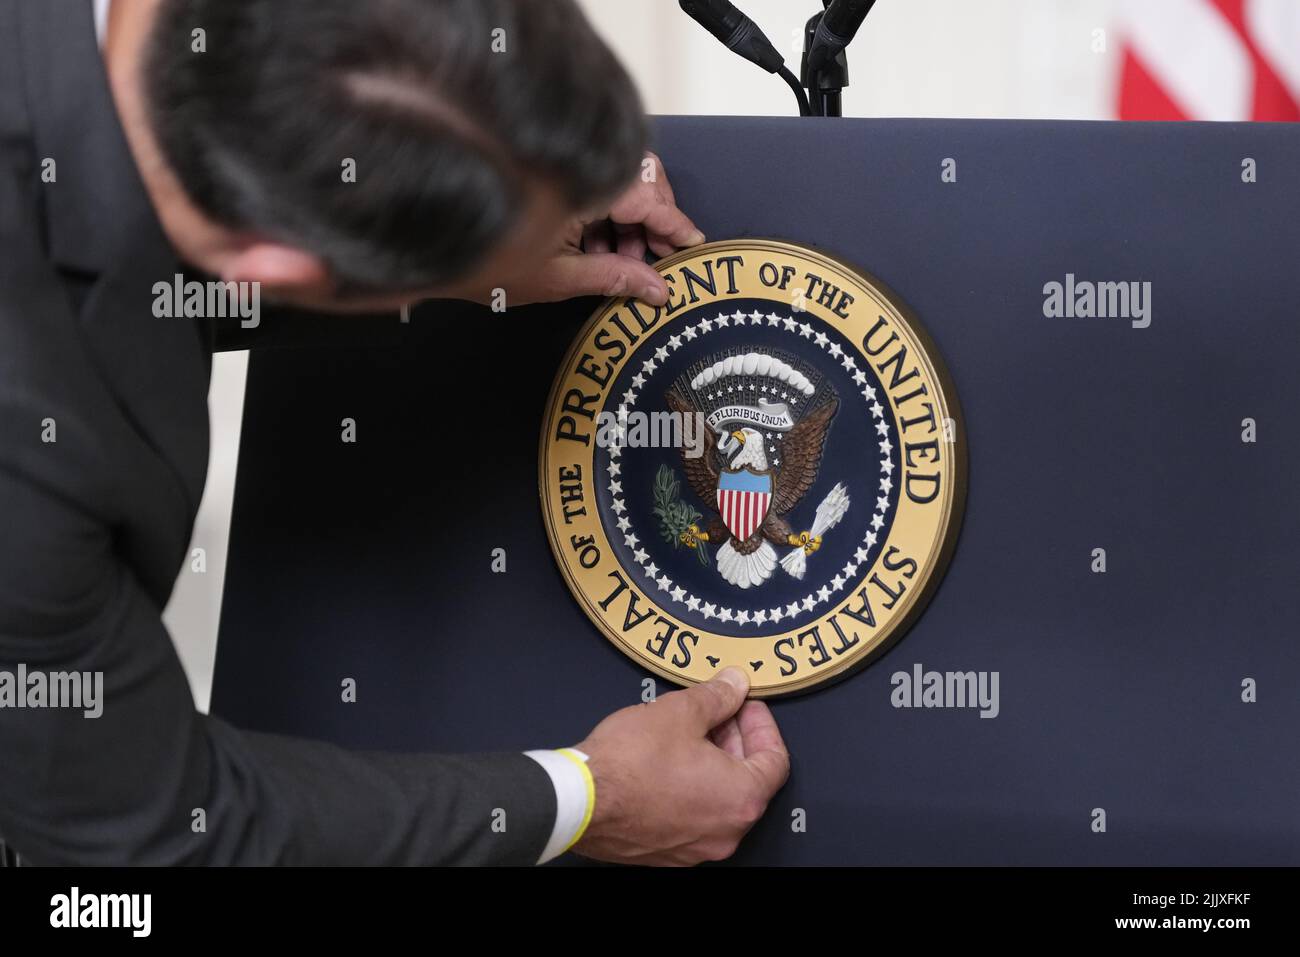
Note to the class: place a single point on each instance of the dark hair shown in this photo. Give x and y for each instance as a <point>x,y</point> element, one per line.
<point>446,132</point>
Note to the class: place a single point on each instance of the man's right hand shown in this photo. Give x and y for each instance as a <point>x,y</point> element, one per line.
<point>682,780</point>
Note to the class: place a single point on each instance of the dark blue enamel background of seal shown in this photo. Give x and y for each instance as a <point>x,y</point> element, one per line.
<point>851,456</point>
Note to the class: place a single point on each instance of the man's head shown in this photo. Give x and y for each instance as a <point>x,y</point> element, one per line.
<point>475,130</point>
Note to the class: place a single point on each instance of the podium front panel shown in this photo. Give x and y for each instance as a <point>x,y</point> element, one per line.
<point>1121,690</point>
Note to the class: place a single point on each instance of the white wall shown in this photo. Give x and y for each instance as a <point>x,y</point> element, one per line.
<point>955,58</point>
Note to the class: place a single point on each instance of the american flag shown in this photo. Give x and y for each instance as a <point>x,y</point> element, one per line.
<point>1210,60</point>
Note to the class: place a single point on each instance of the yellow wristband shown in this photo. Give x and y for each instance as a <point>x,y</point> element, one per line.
<point>581,762</point>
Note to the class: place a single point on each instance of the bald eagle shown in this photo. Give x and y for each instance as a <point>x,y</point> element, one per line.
<point>748,496</point>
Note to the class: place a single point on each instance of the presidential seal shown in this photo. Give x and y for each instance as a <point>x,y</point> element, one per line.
<point>769,472</point>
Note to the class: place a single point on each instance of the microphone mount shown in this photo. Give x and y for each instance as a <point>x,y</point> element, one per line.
<point>825,61</point>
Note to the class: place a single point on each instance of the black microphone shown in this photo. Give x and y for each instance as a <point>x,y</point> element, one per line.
<point>840,24</point>
<point>737,32</point>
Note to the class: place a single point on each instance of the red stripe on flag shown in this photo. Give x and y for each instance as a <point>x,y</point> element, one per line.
<point>1273,101</point>
<point>1141,97</point>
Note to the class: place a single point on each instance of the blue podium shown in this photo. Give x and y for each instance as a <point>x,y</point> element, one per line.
<point>1120,690</point>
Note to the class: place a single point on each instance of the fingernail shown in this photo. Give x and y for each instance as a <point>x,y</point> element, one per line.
<point>734,677</point>
<point>655,293</point>
<point>696,239</point>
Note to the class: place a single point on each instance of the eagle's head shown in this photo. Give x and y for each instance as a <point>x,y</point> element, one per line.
<point>751,454</point>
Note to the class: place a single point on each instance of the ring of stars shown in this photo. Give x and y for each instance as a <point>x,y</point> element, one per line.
<point>658,577</point>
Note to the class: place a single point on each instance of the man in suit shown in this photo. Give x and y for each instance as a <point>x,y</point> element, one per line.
<point>490,145</point>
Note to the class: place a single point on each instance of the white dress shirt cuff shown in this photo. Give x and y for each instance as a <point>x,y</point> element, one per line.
<point>575,797</point>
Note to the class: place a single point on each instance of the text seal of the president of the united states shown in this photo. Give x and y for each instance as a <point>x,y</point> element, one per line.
<point>768,472</point>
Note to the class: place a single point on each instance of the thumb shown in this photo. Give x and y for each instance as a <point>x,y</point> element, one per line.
<point>604,274</point>
<point>713,702</point>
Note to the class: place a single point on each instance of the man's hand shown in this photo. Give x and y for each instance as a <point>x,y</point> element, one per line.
<point>604,255</point>
<point>682,780</point>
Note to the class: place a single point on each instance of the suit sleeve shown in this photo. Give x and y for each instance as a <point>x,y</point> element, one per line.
<point>151,780</point>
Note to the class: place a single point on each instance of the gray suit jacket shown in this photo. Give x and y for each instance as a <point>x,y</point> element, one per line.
<point>95,526</point>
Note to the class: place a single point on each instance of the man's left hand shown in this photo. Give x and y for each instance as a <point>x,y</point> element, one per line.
<point>604,255</point>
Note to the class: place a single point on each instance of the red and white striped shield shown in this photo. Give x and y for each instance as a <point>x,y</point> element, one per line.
<point>743,500</point>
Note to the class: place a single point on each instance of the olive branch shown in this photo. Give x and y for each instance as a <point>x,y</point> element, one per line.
<point>675,516</point>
